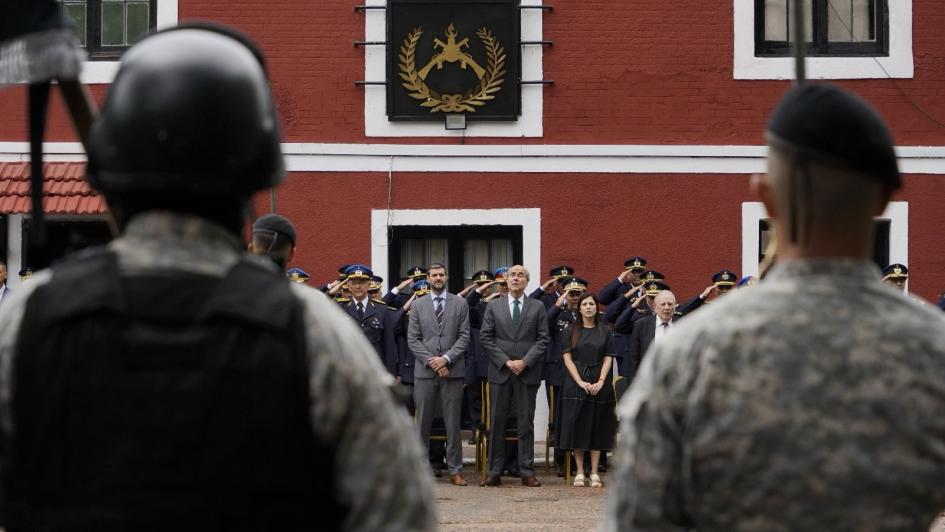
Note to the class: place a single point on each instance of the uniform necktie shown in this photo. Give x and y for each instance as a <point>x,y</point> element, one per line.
<point>516,314</point>
<point>360,310</point>
<point>439,310</point>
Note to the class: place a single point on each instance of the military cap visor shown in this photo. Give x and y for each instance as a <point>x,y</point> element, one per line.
<point>575,284</point>
<point>827,124</point>
<point>896,271</point>
<point>559,272</point>
<point>635,264</point>
<point>358,271</point>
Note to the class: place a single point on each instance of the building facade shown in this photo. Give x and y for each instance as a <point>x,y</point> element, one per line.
<point>634,131</point>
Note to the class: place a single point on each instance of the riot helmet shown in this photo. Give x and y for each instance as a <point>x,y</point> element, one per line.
<point>189,113</point>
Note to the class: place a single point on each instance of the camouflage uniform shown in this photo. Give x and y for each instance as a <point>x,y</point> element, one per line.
<point>351,400</point>
<point>812,401</point>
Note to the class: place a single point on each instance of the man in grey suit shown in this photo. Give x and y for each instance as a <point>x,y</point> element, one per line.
<point>438,335</point>
<point>5,291</point>
<point>514,336</point>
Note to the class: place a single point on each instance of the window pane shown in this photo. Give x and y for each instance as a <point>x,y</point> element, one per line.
<point>776,20</point>
<point>138,19</point>
<point>477,258</point>
<point>437,251</point>
<point>113,23</point>
<point>851,20</point>
<point>501,254</point>
<point>412,255</point>
<point>76,12</point>
<point>779,20</point>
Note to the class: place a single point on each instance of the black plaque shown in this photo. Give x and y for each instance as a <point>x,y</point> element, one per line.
<point>453,57</point>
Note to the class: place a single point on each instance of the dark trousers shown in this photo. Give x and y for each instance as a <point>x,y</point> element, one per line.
<point>502,398</point>
<point>553,409</point>
<point>474,403</point>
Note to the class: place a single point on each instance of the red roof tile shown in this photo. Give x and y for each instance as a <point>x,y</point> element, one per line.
<point>65,190</point>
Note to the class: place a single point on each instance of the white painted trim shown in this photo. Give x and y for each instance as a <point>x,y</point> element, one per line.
<point>899,63</point>
<point>530,158</point>
<point>97,72</point>
<point>529,219</point>
<point>897,212</point>
<point>376,124</point>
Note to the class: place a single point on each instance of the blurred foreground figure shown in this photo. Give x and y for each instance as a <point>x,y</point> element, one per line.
<point>170,381</point>
<point>814,400</point>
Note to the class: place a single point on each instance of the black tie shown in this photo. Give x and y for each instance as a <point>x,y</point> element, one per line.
<point>439,310</point>
<point>360,311</point>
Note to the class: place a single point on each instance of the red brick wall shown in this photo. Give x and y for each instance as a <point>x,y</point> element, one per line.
<point>687,226</point>
<point>646,72</point>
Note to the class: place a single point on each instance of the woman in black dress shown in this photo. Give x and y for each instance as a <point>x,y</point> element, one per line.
<point>588,419</point>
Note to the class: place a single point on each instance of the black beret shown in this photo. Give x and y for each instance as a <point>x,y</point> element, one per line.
<point>275,223</point>
<point>833,126</point>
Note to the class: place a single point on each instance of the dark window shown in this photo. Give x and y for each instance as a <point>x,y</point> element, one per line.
<point>463,249</point>
<point>831,27</point>
<point>67,236</point>
<point>880,241</point>
<point>106,28</point>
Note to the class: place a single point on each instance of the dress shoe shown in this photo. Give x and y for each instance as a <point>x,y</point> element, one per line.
<point>458,480</point>
<point>491,481</point>
<point>531,482</point>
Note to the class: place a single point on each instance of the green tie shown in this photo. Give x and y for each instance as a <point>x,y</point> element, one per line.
<point>516,314</point>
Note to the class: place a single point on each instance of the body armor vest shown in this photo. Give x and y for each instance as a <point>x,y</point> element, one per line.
<point>165,402</point>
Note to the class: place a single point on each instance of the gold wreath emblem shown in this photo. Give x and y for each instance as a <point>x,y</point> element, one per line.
<point>489,83</point>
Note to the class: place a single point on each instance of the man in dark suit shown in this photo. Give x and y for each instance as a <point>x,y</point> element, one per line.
<point>653,327</point>
<point>438,336</point>
<point>514,337</point>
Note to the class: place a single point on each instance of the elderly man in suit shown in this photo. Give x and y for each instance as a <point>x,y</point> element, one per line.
<point>514,337</point>
<point>653,327</point>
<point>438,335</point>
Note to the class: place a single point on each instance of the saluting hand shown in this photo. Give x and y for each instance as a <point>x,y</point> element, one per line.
<point>561,299</point>
<point>624,276</point>
<point>633,291</point>
<point>409,303</point>
<point>546,286</point>
<point>710,290</point>
<point>482,289</point>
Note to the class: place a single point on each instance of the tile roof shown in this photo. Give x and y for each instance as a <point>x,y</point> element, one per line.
<point>65,190</point>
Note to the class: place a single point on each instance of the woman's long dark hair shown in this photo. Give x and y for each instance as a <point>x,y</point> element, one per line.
<point>579,324</point>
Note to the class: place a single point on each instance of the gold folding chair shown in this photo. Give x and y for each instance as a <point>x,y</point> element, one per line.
<point>551,422</point>
<point>482,442</point>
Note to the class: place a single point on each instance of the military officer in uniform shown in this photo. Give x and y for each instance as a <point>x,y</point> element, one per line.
<point>297,275</point>
<point>634,268</point>
<point>896,275</point>
<point>812,401</point>
<point>722,283</point>
<point>377,321</point>
<point>476,364</point>
<point>636,305</point>
<point>170,380</point>
<point>558,275</point>
<point>396,296</point>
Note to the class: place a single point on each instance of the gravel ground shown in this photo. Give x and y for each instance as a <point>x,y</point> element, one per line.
<point>511,506</point>
<point>553,506</point>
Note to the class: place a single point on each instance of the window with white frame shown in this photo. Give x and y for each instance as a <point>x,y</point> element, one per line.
<point>831,27</point>
<point>106,28</point>
<point>844,39</point>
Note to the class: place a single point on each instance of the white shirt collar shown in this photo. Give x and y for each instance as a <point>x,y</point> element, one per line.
<point>363,302</point>
<point>521,302</point>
